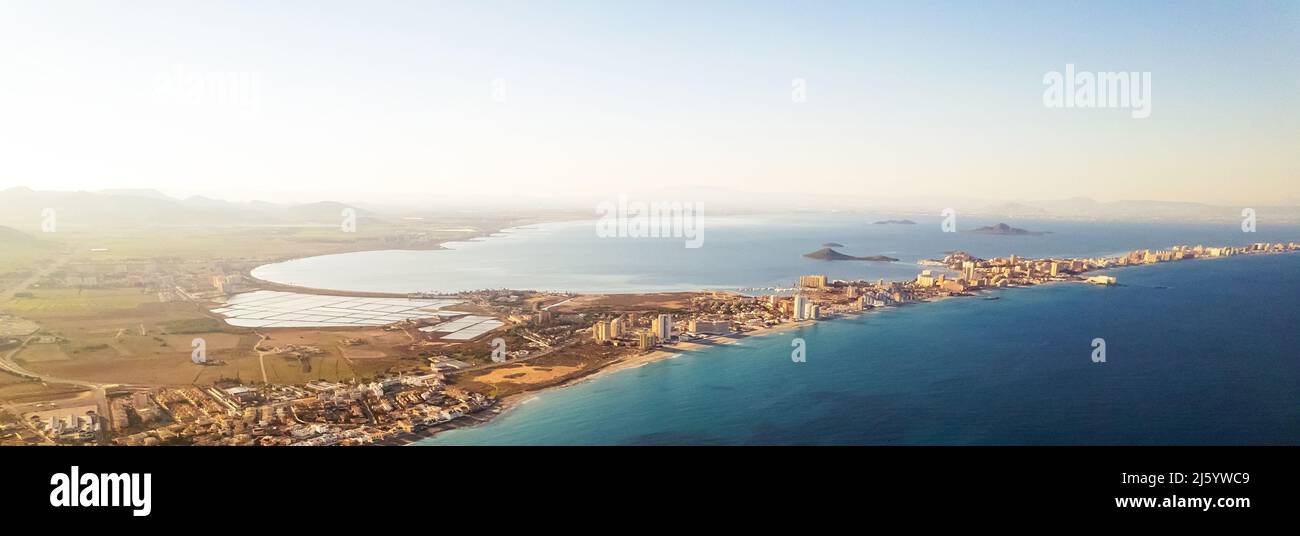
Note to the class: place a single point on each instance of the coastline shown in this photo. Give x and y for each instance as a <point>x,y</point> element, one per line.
<point>631,361</point>
<point>626,363</point>
<point>685,348</point>
<point>265,284</point>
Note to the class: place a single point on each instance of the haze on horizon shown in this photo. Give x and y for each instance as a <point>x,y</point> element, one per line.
<point>520,103</point>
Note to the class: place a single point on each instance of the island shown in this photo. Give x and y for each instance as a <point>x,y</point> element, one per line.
<point>832,245</point>
<point>1003,229</point>
<point>895,222</point>
<point>828,254</point>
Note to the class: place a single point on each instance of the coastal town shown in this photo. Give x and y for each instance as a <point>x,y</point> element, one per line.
<point>450,360</point>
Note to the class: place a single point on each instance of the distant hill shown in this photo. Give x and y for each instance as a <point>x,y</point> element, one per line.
<point>324,211</point>
<point>1004,229</point>
<point>136,192</point>
<point>11,235</point>
<point>111,208</point>
<point>832,245</point>
<point>828,254</point>
<point>1082,207</point>
<point>895,222</point>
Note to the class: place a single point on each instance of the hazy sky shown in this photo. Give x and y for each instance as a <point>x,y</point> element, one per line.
<point>421,100</point>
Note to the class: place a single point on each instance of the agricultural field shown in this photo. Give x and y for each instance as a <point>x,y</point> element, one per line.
<point>63,302</point>
<point>16,390</point>
<point>264,243</point>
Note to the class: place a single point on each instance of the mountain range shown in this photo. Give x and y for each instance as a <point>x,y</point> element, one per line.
<point>24,206</point>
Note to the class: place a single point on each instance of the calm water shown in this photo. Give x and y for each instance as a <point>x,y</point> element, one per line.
<point>737,252</point>
<point>1198,352</point>
<point>1201,352</point>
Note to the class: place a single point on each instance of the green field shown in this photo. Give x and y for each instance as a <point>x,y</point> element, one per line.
<point>16,256</point>
<point>71,301</point>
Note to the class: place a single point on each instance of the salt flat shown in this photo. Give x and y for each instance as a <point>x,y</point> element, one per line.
<point>276,309</point>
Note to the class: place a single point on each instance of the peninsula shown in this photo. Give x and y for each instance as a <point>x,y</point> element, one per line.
<point>97,347</point>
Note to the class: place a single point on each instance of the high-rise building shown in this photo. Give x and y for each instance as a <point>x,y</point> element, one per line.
<point>663,327</point>
<point>646,340</point>
<point>600,331</point>
<point>716,327</point>
<point>1055,267</point>
<point>968,270</point>
<point>616,328</point>
<point>812,281</point>
<point>927,278</point>
<point>812,311</point>
<point>800,306</point>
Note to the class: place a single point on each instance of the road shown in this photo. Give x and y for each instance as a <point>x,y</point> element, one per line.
<point>62,260</point>
<point>558,303</point>
<point>261,356</point>
<point>543,353</point>
<point>7,362</point>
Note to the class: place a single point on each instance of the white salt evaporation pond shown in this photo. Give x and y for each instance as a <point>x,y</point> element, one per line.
<point>464,328</point>
<point>275,309</point>
<point>271,308</point>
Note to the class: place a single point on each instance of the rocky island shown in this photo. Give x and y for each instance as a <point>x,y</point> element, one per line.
<point>828,254</point>
<point>1005,230</point>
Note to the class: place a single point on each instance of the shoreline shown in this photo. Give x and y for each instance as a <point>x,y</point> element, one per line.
<point>515,400</point>
<point>265,284</point>
<point>634,361</point>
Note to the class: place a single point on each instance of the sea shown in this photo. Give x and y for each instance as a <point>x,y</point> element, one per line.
<point>736,252</point>
<point>1196,352</point>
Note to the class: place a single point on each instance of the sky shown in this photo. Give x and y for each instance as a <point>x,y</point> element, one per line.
<point>559,101</point>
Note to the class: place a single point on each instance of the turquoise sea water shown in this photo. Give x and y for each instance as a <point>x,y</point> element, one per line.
<point>1198,352</point>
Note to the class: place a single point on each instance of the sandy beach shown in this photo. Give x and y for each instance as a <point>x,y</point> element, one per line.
<point>628,362</point>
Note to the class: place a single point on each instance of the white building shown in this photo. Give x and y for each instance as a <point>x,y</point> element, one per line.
<point>800,306</point>
<point>663,327</point>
